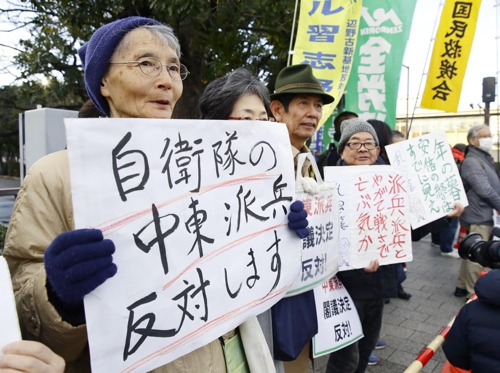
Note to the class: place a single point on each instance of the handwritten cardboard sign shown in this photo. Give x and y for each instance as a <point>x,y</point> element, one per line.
<point>320,249</point>
<point>197,211</point>
<point>433,178</point>
<point>9,323</point>
<point>338,320</point>
<point>374,215</point>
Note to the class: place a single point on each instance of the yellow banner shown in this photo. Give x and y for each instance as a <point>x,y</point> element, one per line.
<point>326,40</point>
<point>450,55</point>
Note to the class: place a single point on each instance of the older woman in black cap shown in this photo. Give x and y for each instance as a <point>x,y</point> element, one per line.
<point>132,70</point>
<point>359,145</point>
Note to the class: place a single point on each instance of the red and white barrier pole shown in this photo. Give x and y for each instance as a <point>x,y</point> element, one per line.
<point>461,235</point>
<point>436,343</point>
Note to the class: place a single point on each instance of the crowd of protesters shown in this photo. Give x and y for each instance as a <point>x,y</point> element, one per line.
<point>132,69</point>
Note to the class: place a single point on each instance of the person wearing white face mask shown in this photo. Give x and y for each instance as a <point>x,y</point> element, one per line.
<point>482,186</point>
<point>485,143</point>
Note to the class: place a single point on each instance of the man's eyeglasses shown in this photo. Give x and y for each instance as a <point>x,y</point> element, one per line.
<point>261,119</point>
<point>357,145</point>
<point>152,66</point>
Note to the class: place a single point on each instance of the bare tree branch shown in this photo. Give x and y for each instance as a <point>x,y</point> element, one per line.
<point>20,10</point>
<point>24,25</point>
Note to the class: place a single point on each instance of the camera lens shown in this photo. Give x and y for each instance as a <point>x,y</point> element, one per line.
<point>469,245</point>
<point>491,251</point>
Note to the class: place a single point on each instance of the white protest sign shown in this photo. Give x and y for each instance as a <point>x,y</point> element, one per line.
<point>343,226</point>
<point>197,211</point>
<point>375,206</point>
<point>320,258</point>
<point>434,181</point>
<point>9,323</point>
<point>496,223</point>
<point>338,320</point>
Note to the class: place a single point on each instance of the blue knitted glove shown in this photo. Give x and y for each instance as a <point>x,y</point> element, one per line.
<point>297,219</point>
<point>77,262</point>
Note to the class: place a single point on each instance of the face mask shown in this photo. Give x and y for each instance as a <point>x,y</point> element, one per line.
<point>486,144</point>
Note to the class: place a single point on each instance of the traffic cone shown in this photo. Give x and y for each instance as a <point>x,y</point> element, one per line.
<point>461,235</point>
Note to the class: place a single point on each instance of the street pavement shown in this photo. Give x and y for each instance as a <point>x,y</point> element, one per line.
<point>409,326</point>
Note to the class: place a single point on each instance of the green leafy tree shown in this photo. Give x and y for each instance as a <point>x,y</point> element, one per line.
<point>216,37</point>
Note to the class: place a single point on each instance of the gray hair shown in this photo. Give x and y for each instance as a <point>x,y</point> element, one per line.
<point>164,34</point>
<point>219,97</point>
<point>472,134</point>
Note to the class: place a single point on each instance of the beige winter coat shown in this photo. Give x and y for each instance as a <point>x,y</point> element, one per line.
<point>42,211</point>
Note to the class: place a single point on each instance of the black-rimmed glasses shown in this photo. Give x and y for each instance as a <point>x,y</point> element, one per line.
<point>152,66</point>
<point>358,145</point>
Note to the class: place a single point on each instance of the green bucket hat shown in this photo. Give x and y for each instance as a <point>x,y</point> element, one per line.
<point>299,79</point>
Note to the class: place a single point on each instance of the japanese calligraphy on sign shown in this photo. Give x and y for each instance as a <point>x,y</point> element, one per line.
<point>9,323</point>
<point>375,204</point>
<point>326,40</point>
<point>450,55</point>
<point>197,211</point>
<point>320,248</point>
<point>338,321</point>
<point>434,181</point>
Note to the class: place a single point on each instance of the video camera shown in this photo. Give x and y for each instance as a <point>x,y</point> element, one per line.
<point>486,253</point>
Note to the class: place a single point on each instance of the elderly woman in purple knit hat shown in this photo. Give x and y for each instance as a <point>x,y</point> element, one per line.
<point>132,70</point>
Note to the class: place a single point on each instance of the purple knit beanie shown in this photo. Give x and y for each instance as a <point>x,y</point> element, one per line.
<point>97,52</point>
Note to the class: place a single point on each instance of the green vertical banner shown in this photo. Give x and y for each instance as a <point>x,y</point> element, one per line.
<point>372,89</point>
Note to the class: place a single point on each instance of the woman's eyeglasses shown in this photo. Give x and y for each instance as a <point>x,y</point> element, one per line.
<point>261,119</point>
<point>152,66</point>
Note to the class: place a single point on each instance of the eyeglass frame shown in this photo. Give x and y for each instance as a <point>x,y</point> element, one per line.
<point>362,144</point>
<point>138,63</point>
<point>483,137</point>
<point>241,118</point>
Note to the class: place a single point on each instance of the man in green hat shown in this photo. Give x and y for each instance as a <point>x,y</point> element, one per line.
<point>298,102</point>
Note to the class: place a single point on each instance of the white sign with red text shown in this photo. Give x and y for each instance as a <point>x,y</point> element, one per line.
<point>374,210</point>
<point>338,320</point>
<point>320,256</point>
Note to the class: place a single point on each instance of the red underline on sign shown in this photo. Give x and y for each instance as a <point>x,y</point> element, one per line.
<point>219,251</point>
<point>113,225</point>
<point>206,327</point>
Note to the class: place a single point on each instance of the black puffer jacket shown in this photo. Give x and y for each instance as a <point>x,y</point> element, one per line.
<point>381,284</point>
<point>473,339</point>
